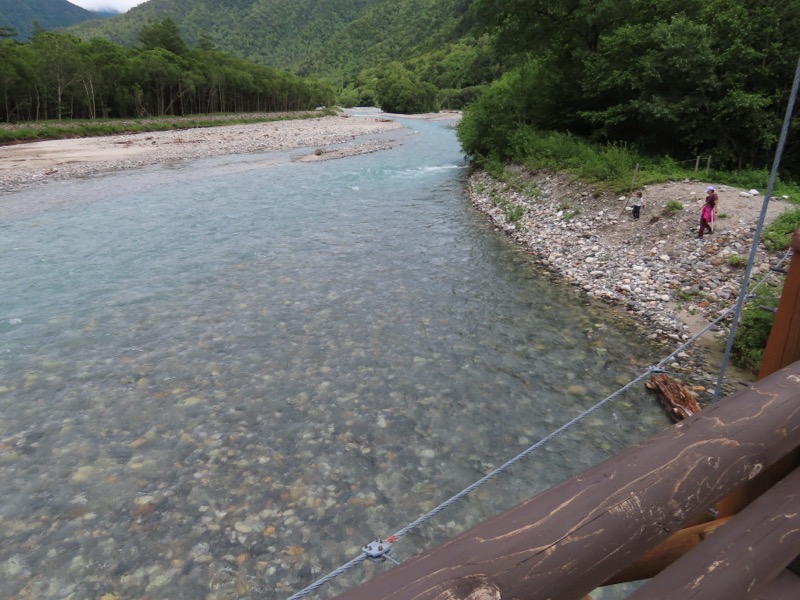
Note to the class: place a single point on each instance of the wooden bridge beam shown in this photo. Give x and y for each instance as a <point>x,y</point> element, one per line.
<point>667,552</point>
<point>741,559</point>
<point>568,540</point>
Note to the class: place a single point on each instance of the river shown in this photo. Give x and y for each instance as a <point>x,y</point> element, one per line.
<point>220,378</point>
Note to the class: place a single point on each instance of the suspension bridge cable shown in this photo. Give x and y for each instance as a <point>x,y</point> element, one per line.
<point>757,235</point>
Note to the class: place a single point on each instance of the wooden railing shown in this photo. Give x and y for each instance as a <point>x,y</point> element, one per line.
<point>568,540</point>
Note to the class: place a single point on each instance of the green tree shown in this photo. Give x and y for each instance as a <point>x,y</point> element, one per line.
<point>9,75</point>
<point>107,78</point>
<point>400,91</point>
<point>511,104</point>
<point>59,67</point>
<point>159,72</point>
<point>653,83</point>
<point>163,34</point>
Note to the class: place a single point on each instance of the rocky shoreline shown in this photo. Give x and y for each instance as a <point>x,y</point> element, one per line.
<point>672,282</point>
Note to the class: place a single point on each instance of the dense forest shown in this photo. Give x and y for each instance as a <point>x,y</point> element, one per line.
<point>669,77</point>
<point>56,76</point>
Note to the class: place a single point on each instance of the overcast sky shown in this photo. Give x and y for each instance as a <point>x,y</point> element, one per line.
<point>120,5</point>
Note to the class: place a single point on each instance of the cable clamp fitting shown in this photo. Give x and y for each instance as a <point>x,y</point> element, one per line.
<point>379,550</point>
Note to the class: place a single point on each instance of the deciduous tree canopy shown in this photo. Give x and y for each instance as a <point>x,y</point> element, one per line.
<point>57,75</point>
<point>670,77</point>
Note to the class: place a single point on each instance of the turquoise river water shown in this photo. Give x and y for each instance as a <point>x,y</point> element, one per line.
<point>221,378</point>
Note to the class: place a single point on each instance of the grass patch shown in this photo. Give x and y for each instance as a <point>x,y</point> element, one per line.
<point>672,207</point>
<point>736,260</point>
<point>778,235</point>
<point>514,213</point>
<point>685,296</point>
<point>753,333</point>
<point>612,166</point>
<point>67,129</point>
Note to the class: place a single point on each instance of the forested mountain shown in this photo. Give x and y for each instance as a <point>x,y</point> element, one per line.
<point>49,14</point>
<point>331,37</point>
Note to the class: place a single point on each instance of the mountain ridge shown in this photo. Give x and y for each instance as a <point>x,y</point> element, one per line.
<point>332,37</point>
<point>49,14</point>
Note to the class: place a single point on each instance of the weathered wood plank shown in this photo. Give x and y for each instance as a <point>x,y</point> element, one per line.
<point>566,541</point>
<point>742,558</point>
<point>667,552</point>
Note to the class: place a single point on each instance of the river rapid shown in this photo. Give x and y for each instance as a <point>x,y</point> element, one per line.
<point>220,378</point>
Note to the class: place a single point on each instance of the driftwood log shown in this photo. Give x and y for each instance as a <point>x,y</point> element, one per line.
<point>568,540</point>
<point>674,396</point>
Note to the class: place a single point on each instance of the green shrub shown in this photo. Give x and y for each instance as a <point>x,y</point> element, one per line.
<point>753,333</point>
<point>514,213</point>
<point>736,260</point>
<point>672,207</point>
<point>613,163</point>
<point>778,235</point>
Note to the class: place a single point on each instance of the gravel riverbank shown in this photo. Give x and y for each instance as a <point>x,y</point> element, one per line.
<point>36,162</point>
<point>656,267</point>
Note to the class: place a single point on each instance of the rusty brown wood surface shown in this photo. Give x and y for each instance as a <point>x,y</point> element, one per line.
<point>566,541</point>
<point>741,559</point>
<point>750,490</point>
<point>674,396</point>
<point>783,346</point>
<point>667,552</point>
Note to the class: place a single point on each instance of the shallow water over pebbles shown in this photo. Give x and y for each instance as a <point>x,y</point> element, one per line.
<point>219,379</point>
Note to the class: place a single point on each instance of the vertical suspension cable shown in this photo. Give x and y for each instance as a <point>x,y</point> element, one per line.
<point>760,225</point>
